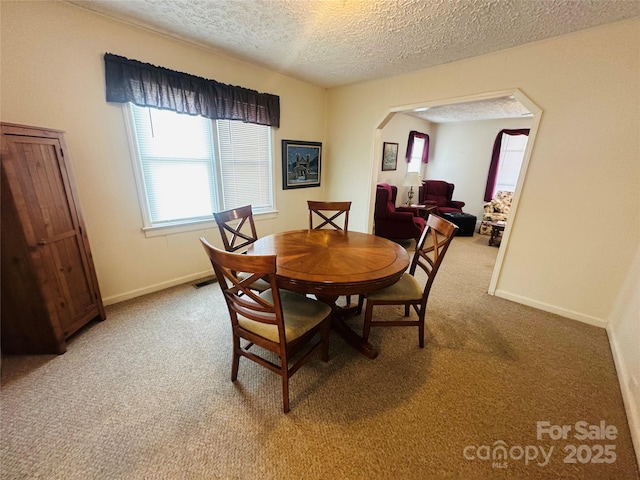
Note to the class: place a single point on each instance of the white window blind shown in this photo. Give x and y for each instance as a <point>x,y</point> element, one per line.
<point>245,164</point>
<point>190,166</point>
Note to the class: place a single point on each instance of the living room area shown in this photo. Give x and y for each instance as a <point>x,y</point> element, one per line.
<point>461,140</point>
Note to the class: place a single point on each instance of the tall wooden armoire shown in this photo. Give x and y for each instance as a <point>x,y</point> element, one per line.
<point>49,286</point>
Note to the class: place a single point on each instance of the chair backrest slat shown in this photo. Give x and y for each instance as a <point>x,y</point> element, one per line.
<point>237,228</point>
<point>327,212</point>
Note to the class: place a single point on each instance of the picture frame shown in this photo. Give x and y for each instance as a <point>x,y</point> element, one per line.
<point>389,156</point>
<point>301,164</point>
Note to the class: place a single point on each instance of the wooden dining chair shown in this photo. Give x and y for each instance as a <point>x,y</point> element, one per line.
<point>326,212</point>
<point>430,250</point>
<point>238,231</point>
<point>281,322</point>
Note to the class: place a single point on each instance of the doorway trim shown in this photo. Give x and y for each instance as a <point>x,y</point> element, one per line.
<point>521,183</point>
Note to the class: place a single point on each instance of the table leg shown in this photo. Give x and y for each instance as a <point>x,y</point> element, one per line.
<point>339,325</point>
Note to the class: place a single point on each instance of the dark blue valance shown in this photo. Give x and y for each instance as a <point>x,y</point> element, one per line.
<point>147,85</point>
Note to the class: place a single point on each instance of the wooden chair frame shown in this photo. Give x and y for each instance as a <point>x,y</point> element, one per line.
<point>319,209</point>
<point>242,300</point>
<point>429,259</point>
<point>237,228</point>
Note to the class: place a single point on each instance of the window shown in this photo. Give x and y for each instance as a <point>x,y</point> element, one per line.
<point>417,151</point>
<point>511,156</point>
<point>187,166</point>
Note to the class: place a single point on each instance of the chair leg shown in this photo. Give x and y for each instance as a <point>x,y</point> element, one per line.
<point>367,321</point>
<point>407,310</point>
<point>360,304</point>
<point>285,390</point>
<point>421,328</point>
<point>324,349</point>
<point>235,361</point>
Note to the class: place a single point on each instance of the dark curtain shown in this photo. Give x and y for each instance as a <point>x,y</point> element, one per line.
<point>146,85</point>
<point>495,160</point>
<point>425,153</point>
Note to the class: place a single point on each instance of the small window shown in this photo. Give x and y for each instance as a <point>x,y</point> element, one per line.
<point>187,166</point>
<point>511,156</point>
<point>417,151</point>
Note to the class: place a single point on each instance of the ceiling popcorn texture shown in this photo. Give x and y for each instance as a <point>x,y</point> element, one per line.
<point>338,42</point>
<point>490,109</point>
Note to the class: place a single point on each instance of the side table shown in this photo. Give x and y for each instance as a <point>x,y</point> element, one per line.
<point>424,210</point>
<point>496,231</point>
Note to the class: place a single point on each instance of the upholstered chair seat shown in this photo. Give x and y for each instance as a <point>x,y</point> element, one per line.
<point>407,288</point>
<point>301,314</point>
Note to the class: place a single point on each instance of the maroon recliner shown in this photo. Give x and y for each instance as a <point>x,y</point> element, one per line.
<point>391,222</point>
<point>440,193</point>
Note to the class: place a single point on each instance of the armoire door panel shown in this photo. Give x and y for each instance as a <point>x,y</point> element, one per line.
<point>48,208</point>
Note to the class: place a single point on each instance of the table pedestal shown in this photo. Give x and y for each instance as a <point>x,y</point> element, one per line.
<point>340,314</point>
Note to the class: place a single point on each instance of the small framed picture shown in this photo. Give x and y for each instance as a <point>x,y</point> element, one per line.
<point>301,164</point>
<point>389,156</point>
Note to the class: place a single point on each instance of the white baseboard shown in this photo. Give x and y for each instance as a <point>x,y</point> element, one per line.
<point>630,402</point>
<point>155,288</point>
<point>596,322</point>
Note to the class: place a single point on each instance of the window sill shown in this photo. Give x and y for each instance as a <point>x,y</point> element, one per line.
<point>177,228</point>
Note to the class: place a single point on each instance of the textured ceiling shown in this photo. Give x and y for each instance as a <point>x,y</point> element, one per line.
<point>338,42</point>
<point>490,109</point>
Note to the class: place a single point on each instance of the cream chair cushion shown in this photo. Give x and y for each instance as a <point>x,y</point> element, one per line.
<point>300,315</point>
<point>407,288</point>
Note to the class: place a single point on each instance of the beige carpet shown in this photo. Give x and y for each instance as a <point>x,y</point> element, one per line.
<point>146,394</point>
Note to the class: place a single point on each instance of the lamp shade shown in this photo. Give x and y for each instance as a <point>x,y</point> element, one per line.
<point>412,179</point>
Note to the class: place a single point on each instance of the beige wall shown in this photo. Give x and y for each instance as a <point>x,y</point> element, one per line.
<point>561,257</point>
<point>53,76</point>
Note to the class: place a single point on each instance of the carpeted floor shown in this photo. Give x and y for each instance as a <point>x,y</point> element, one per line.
<point>146,394</point>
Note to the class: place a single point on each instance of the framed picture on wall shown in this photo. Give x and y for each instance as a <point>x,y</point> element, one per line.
<point>301,164</point>
<point>389,156</point>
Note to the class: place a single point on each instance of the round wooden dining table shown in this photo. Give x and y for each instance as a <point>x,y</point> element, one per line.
<point>331,263</point>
